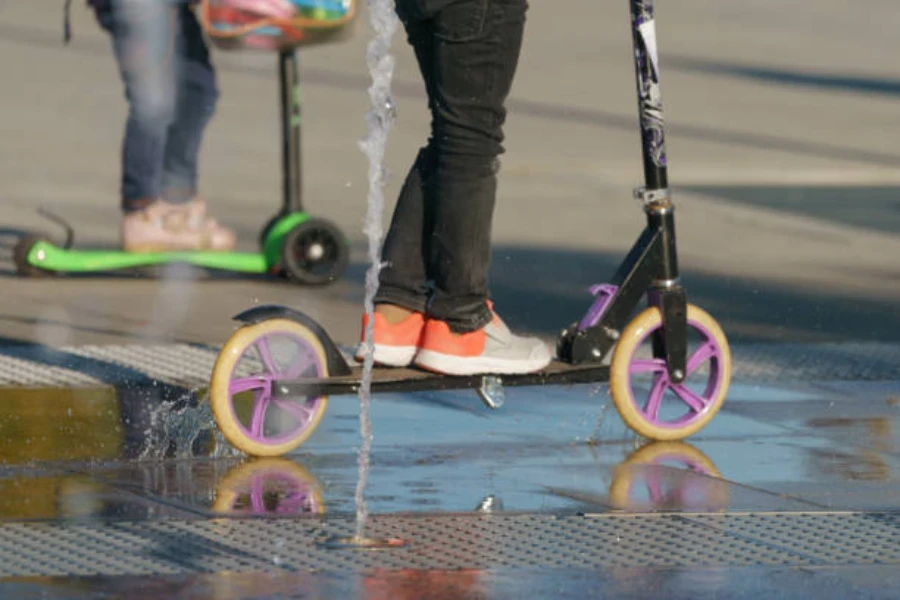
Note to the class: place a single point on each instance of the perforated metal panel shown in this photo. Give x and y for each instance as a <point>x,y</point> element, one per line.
<point>450,542</point>
<point>838,539</point>
<point>190,366</point>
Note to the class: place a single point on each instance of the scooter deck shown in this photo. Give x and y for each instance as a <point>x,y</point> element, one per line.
<point>391,379</point>
<point>48,256</point>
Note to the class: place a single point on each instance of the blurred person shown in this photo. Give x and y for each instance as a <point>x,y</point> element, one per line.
<point>432,307</point>
<point>170,87</point>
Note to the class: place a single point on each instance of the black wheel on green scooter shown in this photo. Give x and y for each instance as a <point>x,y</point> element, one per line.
<point>314,253</point>
<point>20,257</point>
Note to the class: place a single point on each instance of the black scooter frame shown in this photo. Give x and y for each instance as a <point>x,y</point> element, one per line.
<point>651,266</point>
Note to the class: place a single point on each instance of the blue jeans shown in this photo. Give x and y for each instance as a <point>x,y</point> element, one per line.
<point>438,247</point>
<point>170,86</point>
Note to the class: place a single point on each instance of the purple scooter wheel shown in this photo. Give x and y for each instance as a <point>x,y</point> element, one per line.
<point>647,400</point>
<point>250,363</point>
<point>269,486</point>
<point>668,476</point>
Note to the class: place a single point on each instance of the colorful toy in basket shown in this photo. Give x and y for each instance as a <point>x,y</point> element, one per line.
<point>275,24</point>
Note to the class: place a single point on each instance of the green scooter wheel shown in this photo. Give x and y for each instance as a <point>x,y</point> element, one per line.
<point>314,253</point>
<point>21,251</point>
<point>264,233</point>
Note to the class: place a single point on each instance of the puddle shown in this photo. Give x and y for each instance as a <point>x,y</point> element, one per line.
<point>106,424</point>
<point>144,452</point>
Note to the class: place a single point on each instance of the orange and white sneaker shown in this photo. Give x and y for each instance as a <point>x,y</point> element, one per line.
<point>395,344</point>
<point>490,350</point>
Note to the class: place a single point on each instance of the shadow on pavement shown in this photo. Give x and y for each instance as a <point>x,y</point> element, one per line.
<point>543,290</point>
<point>793,77</point>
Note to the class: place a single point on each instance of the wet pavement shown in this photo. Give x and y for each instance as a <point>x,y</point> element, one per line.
<point>115,483</point>
<point>141,459</point>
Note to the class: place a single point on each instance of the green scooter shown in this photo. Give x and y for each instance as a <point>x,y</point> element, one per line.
<point>307,250</point>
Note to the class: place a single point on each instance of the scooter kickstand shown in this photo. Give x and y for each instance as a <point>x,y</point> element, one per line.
<point>491,391</point>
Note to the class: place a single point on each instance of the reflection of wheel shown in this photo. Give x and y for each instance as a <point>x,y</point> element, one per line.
<point>671,411</point>
<point>20,257</point>
<point>668,486</point>
<point>269,486</point>
<point>314,253</point>
<point>242,387</point>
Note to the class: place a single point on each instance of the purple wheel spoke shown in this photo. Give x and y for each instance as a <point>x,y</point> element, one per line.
<point>297,410</point>
<point>257,425</point>
<point>265,354</point>
<point>653,365</point>
<point>694,401</point>
<point>258,419</point>
<point>706,352</point>
<point>655,399</point>
<point>298,365</point>
<point>700,356</point>
<point>257,491</point>
<point>295,502</point>
<point>654,489</point>
<point>244,384</point>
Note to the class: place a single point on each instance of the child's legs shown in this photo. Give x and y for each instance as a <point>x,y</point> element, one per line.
<point>195,105</point>
<point>476,52</point>
<point>144,41</point>
<point>404,279</point>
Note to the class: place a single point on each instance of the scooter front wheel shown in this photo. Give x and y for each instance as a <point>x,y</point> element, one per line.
<point>314,253</point>
<point>669,411</point>
<point>247,408</point>
<point>673,475</point>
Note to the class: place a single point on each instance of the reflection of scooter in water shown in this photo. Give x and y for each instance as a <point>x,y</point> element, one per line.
<point>671,475</point>
<point>125,437</point>
<point>269,486</point>
<point>675,476</point>
<point>266,487</point>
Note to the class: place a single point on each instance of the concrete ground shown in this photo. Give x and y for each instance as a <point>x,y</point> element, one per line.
<point>782,159</point>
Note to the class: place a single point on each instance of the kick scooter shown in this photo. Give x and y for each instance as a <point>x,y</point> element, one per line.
<point>305,249</point>
<point>669,371</point>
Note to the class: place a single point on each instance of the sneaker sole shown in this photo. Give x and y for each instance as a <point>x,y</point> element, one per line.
<point>448,364</point>
<point>391,356</point>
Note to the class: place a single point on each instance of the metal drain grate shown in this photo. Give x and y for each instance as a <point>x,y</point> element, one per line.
<point>450,542</point>
<point>190,366</point>
<point>847,361</point>
<point>853,538</point>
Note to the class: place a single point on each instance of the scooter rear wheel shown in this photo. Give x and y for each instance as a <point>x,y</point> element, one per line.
<point>242,387</point>
<point>670,411</point>
<point>20,257</point>
<point>269,486</point>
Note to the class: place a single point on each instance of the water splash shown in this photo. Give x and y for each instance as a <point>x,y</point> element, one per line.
<point>174,430</point>
<point>379,119</point>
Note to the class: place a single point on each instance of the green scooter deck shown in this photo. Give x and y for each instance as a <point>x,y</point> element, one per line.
<point>50,257</point>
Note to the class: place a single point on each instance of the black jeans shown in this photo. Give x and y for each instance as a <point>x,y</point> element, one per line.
<point>438,248</point>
